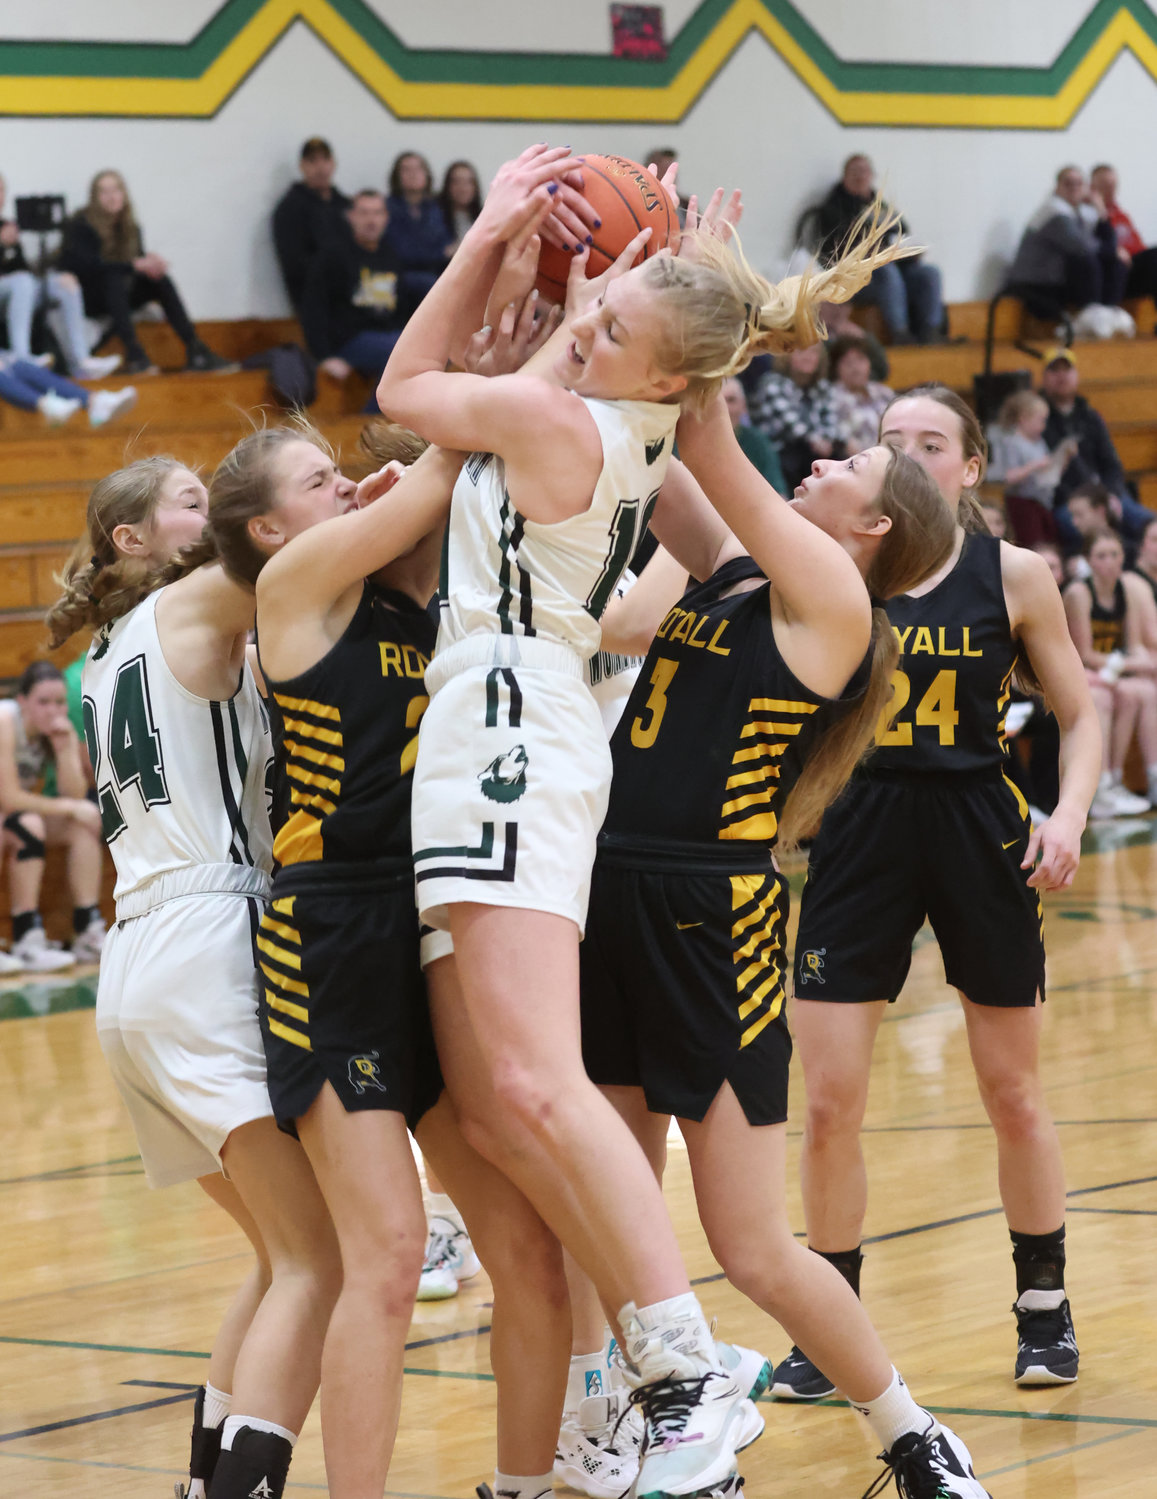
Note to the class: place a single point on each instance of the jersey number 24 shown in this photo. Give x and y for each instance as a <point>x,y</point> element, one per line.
<point>134,748</point>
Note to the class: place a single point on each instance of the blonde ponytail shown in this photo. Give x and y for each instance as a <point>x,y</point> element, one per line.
<point>722,312</point>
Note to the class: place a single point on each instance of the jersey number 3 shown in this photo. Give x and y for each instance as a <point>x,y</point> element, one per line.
<point>134,748</point>
<point>935,710</point>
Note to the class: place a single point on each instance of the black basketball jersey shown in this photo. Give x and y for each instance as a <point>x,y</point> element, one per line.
<point>346,733</point>
<point>951,688</point>
<point>717,729</point>
<point>1108,624</point>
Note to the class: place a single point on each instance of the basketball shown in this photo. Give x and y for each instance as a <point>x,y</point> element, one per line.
<point>627,198</point>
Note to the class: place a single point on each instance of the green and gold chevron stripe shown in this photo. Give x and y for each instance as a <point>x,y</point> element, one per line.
<point>194,79</point>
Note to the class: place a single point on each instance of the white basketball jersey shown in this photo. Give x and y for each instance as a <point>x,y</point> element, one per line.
<point>182,780</point>
<point>504,574</point>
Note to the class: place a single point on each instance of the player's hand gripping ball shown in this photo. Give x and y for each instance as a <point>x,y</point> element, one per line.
<point>627,198</point>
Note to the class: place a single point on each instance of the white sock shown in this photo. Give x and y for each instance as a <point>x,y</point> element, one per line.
<point>588,1375</point>
<point>894,1413</point>
<point>510,1486</point>
<point>196,1489</point>
<point>217,1404</point>
<point>695,1342</point>
<point>233,1425</point>
<point>1040,1301</point>
<point>1115,777</point>
<point>438,1205</point>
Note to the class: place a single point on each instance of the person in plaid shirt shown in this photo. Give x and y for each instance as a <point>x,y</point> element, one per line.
<point>795,406</point>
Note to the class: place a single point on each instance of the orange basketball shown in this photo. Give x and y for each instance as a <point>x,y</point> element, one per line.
<point>627,198</point>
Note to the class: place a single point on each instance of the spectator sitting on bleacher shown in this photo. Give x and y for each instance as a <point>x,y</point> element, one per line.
<point>1067,258</point>
<point>31,387</point>
<point>1113,623</point>
<point>460,199</point>
<point>907,292</point>
<point>417,231</point>
<point>793,404</point>
<point>1021,460</point>
<point>1086,513</point>
<point>860,401</point>
<point>1145,565</point>
<point>1140,263</point>
<point>44,800</point>
<point>839,322</point>
<point>104,249</point>
<point>310,215</point>
<point>1070,415</point>
<point>757,447</point>
<point>21,292</point>
<point>354,310</point>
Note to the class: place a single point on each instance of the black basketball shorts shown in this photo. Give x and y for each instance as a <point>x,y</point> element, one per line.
<point>342,995</point>
<point>683,975</point>
<point>896,850</point>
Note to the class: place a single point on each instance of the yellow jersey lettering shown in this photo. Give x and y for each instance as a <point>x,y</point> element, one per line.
<point>693,638</point>
<point>683,628</point>
<point>943,648</point>
<point>391,658</point>
<point>967,652</point>
<point>713,644</point>
<point>901,636</point>
<point>414,662</point>
<point>923,642</point>
<point>661,632</point>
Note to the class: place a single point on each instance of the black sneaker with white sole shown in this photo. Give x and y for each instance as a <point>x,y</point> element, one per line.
<point>933,1464</point>
<point>1046,1345</point>
<point>797,1378</point>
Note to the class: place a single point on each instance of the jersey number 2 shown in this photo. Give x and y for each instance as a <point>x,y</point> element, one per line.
<point>134,747</point>
<point>935,710</point>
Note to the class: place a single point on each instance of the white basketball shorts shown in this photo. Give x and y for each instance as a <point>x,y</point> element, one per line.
<point>176,1016</point>
<point>510,788</point>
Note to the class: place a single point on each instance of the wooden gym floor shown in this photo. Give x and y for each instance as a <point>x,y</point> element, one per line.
<point>109,1294</point>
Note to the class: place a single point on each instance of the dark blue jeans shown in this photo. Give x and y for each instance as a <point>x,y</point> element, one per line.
<point>368,352</point>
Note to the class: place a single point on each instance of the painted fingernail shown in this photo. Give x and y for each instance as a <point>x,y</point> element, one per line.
<point>590,239</point>
<point>552,187</point>
<point>566,246</point>
<point>598,223</point>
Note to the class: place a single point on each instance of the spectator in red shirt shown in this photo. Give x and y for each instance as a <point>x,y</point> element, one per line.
<point>1141,262</point>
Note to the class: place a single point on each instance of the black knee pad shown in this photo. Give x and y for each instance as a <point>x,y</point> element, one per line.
<point>30,846</point>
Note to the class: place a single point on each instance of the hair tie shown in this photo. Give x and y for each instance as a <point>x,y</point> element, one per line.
<point>95,563</point>
<point>751,319</point>
<point>875,601</point>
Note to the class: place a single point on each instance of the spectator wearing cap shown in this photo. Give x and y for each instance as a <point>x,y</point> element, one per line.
<point>907,292</point>
<point>1070,415</point>
<point>354,308</point>
<point>310,216</point>
<point>1140,262</point>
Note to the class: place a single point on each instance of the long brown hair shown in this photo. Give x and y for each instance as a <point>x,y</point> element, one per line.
<point>120,234</point>
<point>99,583</point>
<point>243,486</point>
<point>919,541</point>
<point>718,312</point>
<point>972,442</point>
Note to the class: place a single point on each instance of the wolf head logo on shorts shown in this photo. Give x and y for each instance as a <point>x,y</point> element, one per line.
<point>811,965</point>
<point>364,1073</point>
<point>504,779</point>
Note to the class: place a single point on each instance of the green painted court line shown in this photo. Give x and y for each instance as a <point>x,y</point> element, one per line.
<point>104,1347</point>
<point>1049,1457</point>
<point>1069,1418</point>
<point>69,1171</point>
<point>189,1353</point>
